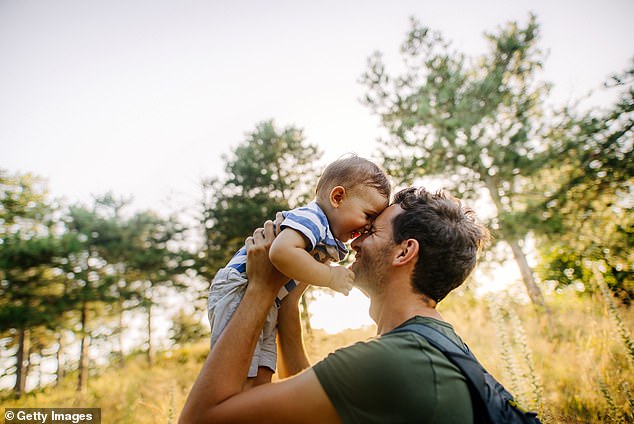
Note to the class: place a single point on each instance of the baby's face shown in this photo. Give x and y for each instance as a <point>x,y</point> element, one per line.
<point>356,213</point>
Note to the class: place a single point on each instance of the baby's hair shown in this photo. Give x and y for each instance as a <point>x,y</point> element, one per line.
<point>350,171</point>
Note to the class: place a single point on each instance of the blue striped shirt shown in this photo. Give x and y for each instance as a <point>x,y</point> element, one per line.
<point>312,223</point>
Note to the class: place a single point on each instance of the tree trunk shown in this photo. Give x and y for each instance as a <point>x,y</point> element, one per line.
<point>305,314</point>
<point>527,275</point>
<point>534,293</point>
<point>83,353</point>
<point>59,374</point>
<point>122,356</point>
<point>38,382</point>
<point>29,363</point>
<point>150,353</point>
<point>21,371</point>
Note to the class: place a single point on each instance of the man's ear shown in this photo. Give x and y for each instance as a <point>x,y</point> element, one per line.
<point>406,253</point>
<point>337,194</point>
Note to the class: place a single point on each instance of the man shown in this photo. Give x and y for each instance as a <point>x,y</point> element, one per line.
<point>418,250</point>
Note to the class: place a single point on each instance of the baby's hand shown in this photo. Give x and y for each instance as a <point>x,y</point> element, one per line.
<point>341,279</point>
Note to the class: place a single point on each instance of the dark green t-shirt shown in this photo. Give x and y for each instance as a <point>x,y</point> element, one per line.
<point>396,378</point>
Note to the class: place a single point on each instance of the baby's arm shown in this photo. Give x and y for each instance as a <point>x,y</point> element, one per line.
<point>288,254</point>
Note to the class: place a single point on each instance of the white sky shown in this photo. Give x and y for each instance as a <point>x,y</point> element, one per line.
<point>143,97</point>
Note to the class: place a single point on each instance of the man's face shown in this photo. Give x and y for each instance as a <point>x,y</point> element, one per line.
<point>372,251</point>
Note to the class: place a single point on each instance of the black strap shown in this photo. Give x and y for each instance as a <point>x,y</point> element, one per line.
<point>463,359</point>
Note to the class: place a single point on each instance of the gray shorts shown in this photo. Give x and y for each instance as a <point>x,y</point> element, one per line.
<point>225,294</point>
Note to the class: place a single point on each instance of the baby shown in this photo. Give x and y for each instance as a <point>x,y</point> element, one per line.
<point>351,192</point>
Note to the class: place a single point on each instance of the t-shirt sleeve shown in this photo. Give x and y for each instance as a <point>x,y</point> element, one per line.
<point>307,222</point>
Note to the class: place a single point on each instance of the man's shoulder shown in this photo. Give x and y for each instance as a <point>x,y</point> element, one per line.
<point>390,351</point>
<point>395,350</point>
<point>381,360</point>
<point>441,326</point>
<point>394,369</point>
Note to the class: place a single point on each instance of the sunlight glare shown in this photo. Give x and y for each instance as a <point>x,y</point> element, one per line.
<point>334,312</point>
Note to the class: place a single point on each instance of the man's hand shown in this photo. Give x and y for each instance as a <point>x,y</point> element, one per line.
<point>341,279</point>
<point>260,270</point>
<point>279,218</point>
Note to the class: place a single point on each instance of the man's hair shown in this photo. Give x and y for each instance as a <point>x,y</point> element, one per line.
<point>448,236</point>
<point>351,171</point>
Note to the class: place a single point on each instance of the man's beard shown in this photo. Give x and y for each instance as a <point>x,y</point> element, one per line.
<point>370,271</point>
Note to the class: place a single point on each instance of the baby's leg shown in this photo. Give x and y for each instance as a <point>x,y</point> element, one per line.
<point>225,294</point>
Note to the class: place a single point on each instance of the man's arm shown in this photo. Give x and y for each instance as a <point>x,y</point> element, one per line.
<point>291,354</point>
<point>216,395</point>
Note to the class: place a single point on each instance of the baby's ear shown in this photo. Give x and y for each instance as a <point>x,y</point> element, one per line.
<point>337,194</point>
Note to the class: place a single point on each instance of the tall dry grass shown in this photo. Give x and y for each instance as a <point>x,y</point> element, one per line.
<point>571,364</point>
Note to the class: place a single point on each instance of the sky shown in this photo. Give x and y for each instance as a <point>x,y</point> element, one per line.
<point>142,98</point>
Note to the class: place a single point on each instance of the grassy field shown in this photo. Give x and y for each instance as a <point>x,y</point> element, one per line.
<point>573,364</point>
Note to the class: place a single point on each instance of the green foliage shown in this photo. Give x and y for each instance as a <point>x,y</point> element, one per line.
<point>31,250</point>
<point>187,329</point>
<point>126,254</point>
<point>73,269</point>
<point>477,123</point>
<point>154,250</point>
<point>583,203</point>
<point>274,163</point>
<point>271,171</point>
<point>125,259</point>
<point>23,198</point>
